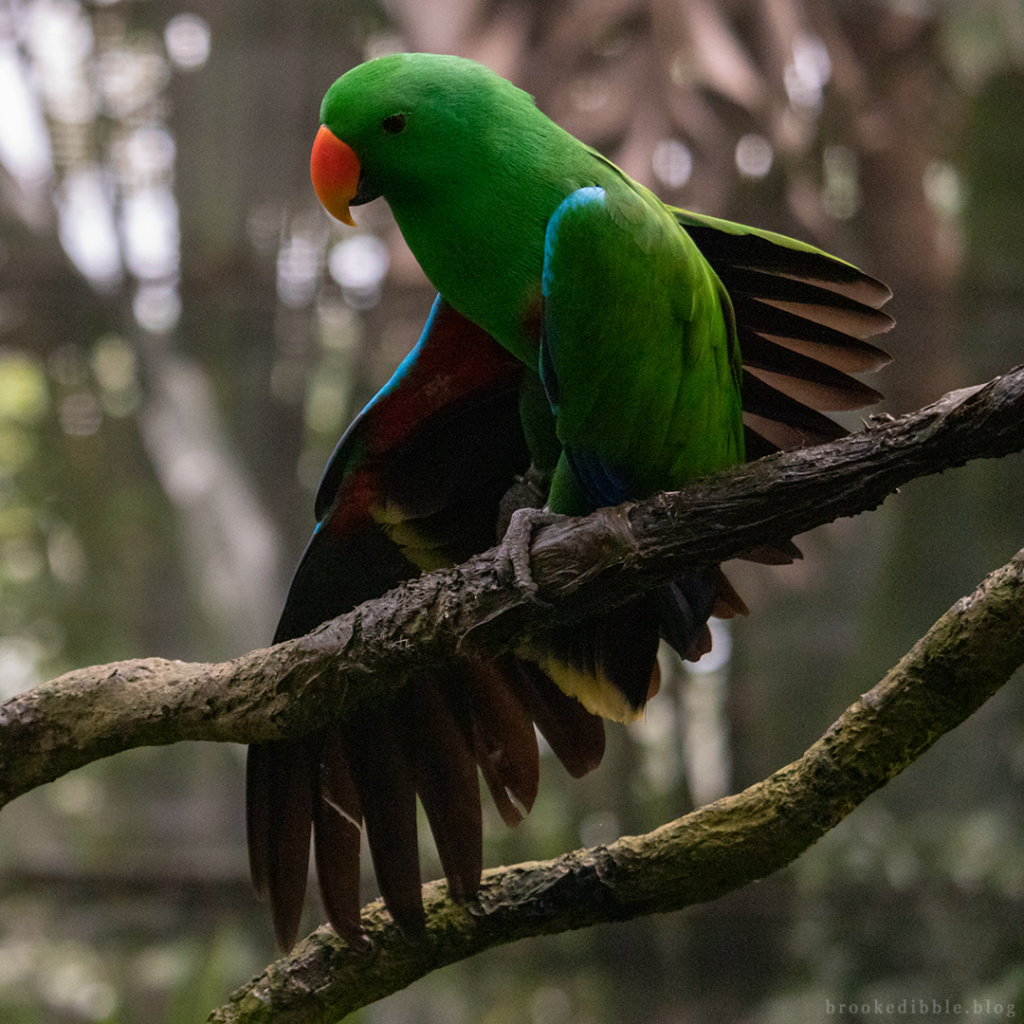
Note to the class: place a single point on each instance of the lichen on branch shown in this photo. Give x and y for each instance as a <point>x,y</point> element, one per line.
<point>968,654</point>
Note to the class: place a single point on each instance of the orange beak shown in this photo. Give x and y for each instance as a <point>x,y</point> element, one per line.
<point>334,169</point>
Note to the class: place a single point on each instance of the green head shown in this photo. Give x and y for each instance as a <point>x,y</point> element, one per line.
<point>400,126</point>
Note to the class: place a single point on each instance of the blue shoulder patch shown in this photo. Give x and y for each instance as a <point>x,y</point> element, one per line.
<point>581,197</point>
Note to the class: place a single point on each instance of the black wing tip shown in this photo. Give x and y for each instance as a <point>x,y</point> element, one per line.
<point>852,283</point>
<point>880,293</point>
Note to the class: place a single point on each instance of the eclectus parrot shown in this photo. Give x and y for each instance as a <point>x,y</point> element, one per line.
<point>588,343</point>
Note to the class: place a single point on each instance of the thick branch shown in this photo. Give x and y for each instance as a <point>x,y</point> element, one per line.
<point>964,658</point>
<point>578,564</point>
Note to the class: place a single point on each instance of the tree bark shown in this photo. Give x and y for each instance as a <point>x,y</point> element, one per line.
<point>963,659</point>
<point>579,565</point>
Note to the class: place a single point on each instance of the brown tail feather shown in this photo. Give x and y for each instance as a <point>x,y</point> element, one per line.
<point>280,780</point>
<point>576,736</point>
<point>429,743</point>
<point>503,740</point>
<point>446,781</point>
<point>368,770</point>
<point>386,784</point>
<point>337,832</point>
<point>728,603</point>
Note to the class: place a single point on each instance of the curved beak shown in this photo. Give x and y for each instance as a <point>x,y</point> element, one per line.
<point>334,169</point>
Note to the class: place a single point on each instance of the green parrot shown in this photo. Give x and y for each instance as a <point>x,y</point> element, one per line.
<point>589,345</point>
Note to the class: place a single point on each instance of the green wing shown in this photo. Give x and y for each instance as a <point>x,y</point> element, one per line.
<point>639,354</point>
<point>675,345</point>
<point>640,363</point>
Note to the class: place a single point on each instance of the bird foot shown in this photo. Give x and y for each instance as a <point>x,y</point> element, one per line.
<point>514,551</point>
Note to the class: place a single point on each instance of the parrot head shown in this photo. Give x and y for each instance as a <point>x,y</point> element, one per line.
<point>397,126</point>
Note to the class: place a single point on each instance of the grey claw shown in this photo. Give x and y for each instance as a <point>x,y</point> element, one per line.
<point>514,552</point>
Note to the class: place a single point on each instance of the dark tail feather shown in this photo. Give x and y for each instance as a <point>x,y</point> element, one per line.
<point>684,607</point>
<point>337,833</point>
<point>428,743</point>
<point>368,771</point>
<point>386,784</point>
<point>504,743</point>
<point>280,781</point>
<point>576,736</point>
<point>608,663</point>
<point>627,650</point>
<point>446,781</point>
<point>619,650</point>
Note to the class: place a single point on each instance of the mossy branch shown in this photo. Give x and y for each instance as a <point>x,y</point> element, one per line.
<point>962,660</point>
<point>579,565</point>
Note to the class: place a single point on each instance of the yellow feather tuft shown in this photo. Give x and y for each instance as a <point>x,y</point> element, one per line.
<point>595,692</point>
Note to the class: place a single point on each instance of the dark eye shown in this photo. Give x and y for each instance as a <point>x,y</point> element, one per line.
<point>393,124</point>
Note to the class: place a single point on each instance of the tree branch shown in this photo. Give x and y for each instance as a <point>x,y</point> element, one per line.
<point>579,564</point>
<point>962,660</point>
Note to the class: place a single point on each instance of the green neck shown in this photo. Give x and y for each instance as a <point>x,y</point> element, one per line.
<point>480,241</point>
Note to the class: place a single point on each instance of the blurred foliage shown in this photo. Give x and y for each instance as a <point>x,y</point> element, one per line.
<point>183,337</point>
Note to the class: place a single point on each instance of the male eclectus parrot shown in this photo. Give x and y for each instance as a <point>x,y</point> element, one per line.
<point>587,339</point>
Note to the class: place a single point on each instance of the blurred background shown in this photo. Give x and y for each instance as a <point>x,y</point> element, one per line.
<point>184,334</point>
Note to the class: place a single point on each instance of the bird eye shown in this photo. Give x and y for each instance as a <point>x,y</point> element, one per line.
<point>393,124</point>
